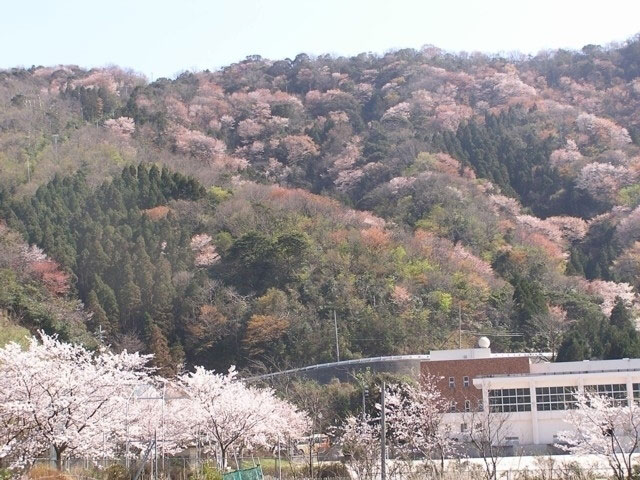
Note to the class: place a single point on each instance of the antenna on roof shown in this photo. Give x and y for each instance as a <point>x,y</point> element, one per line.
<point>472,332</point>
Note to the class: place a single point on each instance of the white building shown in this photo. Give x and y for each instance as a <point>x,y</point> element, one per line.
<point>532,393</point>
<point>537,402</point>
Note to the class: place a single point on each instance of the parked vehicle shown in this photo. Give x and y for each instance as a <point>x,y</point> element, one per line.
<point>315,444</point>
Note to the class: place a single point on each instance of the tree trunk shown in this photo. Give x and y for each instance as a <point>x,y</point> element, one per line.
<point>59,451</point>
<point>223,458</point>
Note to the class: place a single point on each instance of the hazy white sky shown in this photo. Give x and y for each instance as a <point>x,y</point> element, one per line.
<point>164,37</point>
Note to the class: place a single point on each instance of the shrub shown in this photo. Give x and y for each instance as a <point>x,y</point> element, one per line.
<point>116,472</point>
<point>43,472</point>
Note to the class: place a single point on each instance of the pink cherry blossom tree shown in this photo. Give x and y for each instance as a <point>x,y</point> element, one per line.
<point>123,126</point>
<point>162,411</point>
<point>609,291</point>
<point>231,415</point>
<point>600,426</point>
<point>361,445</point>
<point>204,249</point>
<point>63,396</point>
<point>603,180</point>
<point>416,415</point>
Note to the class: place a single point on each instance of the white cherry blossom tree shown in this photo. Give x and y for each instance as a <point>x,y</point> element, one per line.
<point>416,417</point>
<point>62,396</point>
<point>600,426</point>
<point>361,445</point>
<point>231,415</point>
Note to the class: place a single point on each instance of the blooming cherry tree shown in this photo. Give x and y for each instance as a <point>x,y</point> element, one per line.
<point>231,415</point>
<point>609,291</point>
<point>159,410</point>
<point>205,250</point>
<point>63,396</point>
<point>416,415</point>
<point>605,428</point>
<point>122,126</point>
<point>361,446</point>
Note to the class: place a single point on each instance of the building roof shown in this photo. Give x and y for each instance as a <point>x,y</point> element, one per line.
<point>477,353</point>
<point>575,368</point>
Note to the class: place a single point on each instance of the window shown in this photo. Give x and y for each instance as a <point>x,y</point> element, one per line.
<point>556,398</point>
<point>463,427</point>
<point>453,407</point>
<point>465,381</point>
<point>512,440</point>
<point>636,392</point>
<point>480,406</point>
<point>510,400</point>
<point>616,392</point>
<point>467,405</point>
<point>452,382</point>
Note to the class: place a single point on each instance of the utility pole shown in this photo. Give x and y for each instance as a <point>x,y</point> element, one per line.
<point>164,393</point>
<point>383,436</point>
<point>313,421</point>
<point>335,326</point>
<point>364,390</point>
<point>364,401</point>
<point>279,461</point>
<point>155,455</point>
<point>459,326</point>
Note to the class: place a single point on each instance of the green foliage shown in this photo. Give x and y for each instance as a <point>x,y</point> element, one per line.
<point>529,301</point>
<point>37,310</point>
<point>598,337</point>
<point>9,332</point>
<point>210,472</point>
<point>594,255</point>
<point>113,248</point>
<point>116,472</point>
<point>507,150</point>
<point>411,136</point>
<point>264,261</point>
<point>219,194</point>
<point>630,196</point>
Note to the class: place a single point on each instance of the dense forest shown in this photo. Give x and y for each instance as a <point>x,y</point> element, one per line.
<point>238,216</point>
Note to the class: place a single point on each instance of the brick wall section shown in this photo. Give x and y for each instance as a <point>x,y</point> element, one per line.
<point>471,368</point>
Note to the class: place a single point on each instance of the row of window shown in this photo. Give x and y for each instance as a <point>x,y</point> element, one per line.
<point>465,382</point>
<point>508,400</point>
<point>453,407</point>
<point>617,392</point>
<point>556,398</point>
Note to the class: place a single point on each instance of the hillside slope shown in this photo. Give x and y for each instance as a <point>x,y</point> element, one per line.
<point>399,194</point>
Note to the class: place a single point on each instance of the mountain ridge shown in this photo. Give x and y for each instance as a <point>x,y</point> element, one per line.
<point>398,191</point>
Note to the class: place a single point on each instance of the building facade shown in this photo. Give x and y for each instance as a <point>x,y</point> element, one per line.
<point>531,394</point>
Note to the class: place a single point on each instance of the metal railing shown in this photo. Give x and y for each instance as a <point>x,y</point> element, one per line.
<point>359,361</point>
<point>391,358</point>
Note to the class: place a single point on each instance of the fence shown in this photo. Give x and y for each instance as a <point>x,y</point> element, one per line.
<point>254,473</point>
<point>175,468</point>
<point>185,468</point>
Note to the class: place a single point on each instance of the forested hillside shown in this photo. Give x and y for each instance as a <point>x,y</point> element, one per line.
<point>234,216</point>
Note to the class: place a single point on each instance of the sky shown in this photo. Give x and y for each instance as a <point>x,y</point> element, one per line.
<point>165,37</point>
